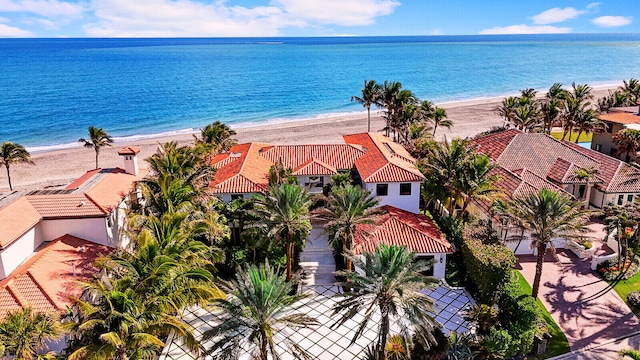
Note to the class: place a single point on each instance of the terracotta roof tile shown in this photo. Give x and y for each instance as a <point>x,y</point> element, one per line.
<point>338,156</point>
<point>110,189</point>
<point>400,227</point>
<point>494,144</point>
<point>48,278</point>
<point>129,150</point>
<point>82,179</point>
<point>65,206</point>
<point>384,160</point>
<point>314,167</point>
<point>621,117</point>
<point>17,218</point>
<point>248,173</point>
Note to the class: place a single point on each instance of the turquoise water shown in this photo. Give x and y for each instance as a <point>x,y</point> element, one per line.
<point>51,90</point>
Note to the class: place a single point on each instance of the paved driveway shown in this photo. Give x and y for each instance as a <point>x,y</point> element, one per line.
<point>584,307</point>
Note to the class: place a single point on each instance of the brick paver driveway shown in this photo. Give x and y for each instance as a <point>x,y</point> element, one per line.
<point>579,301</point>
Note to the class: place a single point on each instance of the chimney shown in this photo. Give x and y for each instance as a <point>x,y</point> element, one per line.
<point>130,154</point>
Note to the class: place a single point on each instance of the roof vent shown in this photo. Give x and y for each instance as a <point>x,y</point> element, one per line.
<point>235,155</point>
<point>386,145</point>
<point>82,249</point>
<point>82,203</point>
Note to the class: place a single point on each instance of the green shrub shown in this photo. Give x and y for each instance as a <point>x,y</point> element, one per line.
<point>518,315</point>
<point>587,245</point>
<point>611,271</point>
<point>633,298</point>
<point>489,267</point>
<point>496,345</point>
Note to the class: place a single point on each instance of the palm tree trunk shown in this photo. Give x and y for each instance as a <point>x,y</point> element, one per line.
<point>579,134</point>
<point>97,152</point>
<point>435,126</point>
<point>290,254</point>
<point>519,241</point>
<point>8,176</point>
<point>542,249</point>
<point>368,119</point>
<point>384,331</point>
<point>263,345</point>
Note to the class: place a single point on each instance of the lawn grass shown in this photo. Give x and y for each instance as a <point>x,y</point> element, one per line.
<point>583,137</point>
<point>624,287</point>
<point>558,344</point>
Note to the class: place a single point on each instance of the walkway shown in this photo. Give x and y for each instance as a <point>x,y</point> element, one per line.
<point>317,259</point>
<point>579,301</point>
<point>606,351</point>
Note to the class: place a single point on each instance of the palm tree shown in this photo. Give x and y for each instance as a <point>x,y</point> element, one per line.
<point>98,138</point>
<point>439,118</point>
<point>526,117</point>
<point>631,90</point>
<point>476,182</point>
<point>347,207</point>
<point>445,165</point>
<point>588,122</point>
<point>576,103</point>
<point>284,212</point>
<point>386,290</point>
<point>507,108</point>
<point>628,142</point>
<point>370,96</point>
<point>388,93</point>
<point>547,215</point>
<point>11,153</point>
<point>216,136</point>
<point>256,316</point>
<point>587,174</point>
<point>24,332</point>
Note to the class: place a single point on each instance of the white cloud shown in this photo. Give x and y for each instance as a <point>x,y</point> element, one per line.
<point>594,6</point>
<point>10,31</point>
<point>525,29</point>
<point>556,15</point>
<point>45,8</point>
<point>337,12</point>
<point>612,21</point>
<point>169,18</point>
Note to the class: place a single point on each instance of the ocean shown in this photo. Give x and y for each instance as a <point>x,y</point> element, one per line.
<point>51,90</point>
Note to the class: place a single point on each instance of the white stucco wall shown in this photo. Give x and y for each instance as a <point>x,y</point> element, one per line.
<point>438,267</point>
<point>92,229</point>
<point>19,251</point>
<point>226,198</point>
<point>405,202</point>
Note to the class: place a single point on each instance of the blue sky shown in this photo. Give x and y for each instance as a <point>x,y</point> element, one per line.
<point>229,18</point>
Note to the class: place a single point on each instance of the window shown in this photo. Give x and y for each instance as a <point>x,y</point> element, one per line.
<point>620,199</point>
<point>630,198</point>
<point>405,189</point>
<point>315,181</point>
<point>609,127</point>
<point>581,190</point>
<point>236,196</point>
<point>598,147</point>
<point>382,189</point>
<point>613,151</point>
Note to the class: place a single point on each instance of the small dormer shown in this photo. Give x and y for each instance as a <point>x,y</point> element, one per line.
<point>130,154</point>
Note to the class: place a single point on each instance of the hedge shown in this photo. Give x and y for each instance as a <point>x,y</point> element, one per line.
<point>489,267</point>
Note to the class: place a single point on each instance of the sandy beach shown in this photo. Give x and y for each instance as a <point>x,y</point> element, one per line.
<point>58,168</point>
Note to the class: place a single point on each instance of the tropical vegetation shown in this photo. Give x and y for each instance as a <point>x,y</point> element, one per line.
<point>98,138</point>
<point>25,333</point>
<point>12,153</point>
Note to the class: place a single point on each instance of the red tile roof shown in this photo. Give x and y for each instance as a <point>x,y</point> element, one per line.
<point>400,227</point>
<point>16,219</point>
<point>129,150</point>
<point>46,280</point>
<point>384,160</point>
<point>66,206</point>
<point>556,160</point>
<point>244,168</point>
<point>621,117</point>
<point>107,187</point>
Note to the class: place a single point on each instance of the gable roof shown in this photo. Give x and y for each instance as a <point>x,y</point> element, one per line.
<point>400,227</point>
<point>16,219</point>
<point>556,160</point>
<point>621,117</point>
<point>46,280</point>
<point>245,167</point>
<point>57,206</point>
<point>107,187</point>
<point>384,160</point>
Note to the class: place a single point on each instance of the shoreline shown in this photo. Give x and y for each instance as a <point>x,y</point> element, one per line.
<point>58,167</point>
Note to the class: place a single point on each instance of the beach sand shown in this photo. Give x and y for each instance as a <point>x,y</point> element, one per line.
<point>60,167</point>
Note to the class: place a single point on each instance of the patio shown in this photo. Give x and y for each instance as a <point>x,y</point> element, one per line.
<point>324,342</point>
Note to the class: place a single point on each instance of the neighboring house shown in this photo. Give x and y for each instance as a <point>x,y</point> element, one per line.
<point>542,161</point>
<point>52,236</point>
<point>616,119</point>
<point>377,163</point>
<point>400,227</point>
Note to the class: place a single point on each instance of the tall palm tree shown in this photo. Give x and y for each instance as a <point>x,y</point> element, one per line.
<point>507,108</point>
<point>216,136</point>
<point>631,89</point>
<point>439,118</point>
<point>388,93</point>
<point>386,290</point>
<point>24,332</point>
<point>256,316</point>
<point>526,117</point>
<point>445,165</point>
<point>476,182</point>
<point>347,207</point>
<point>284,212</point>
<point>588,122</point>
<point>370,96</point>
<point>98,138</point>
<point>576,102</point>
<point>548,215</point>
<point>12,153</point>
<point>628,142</point>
